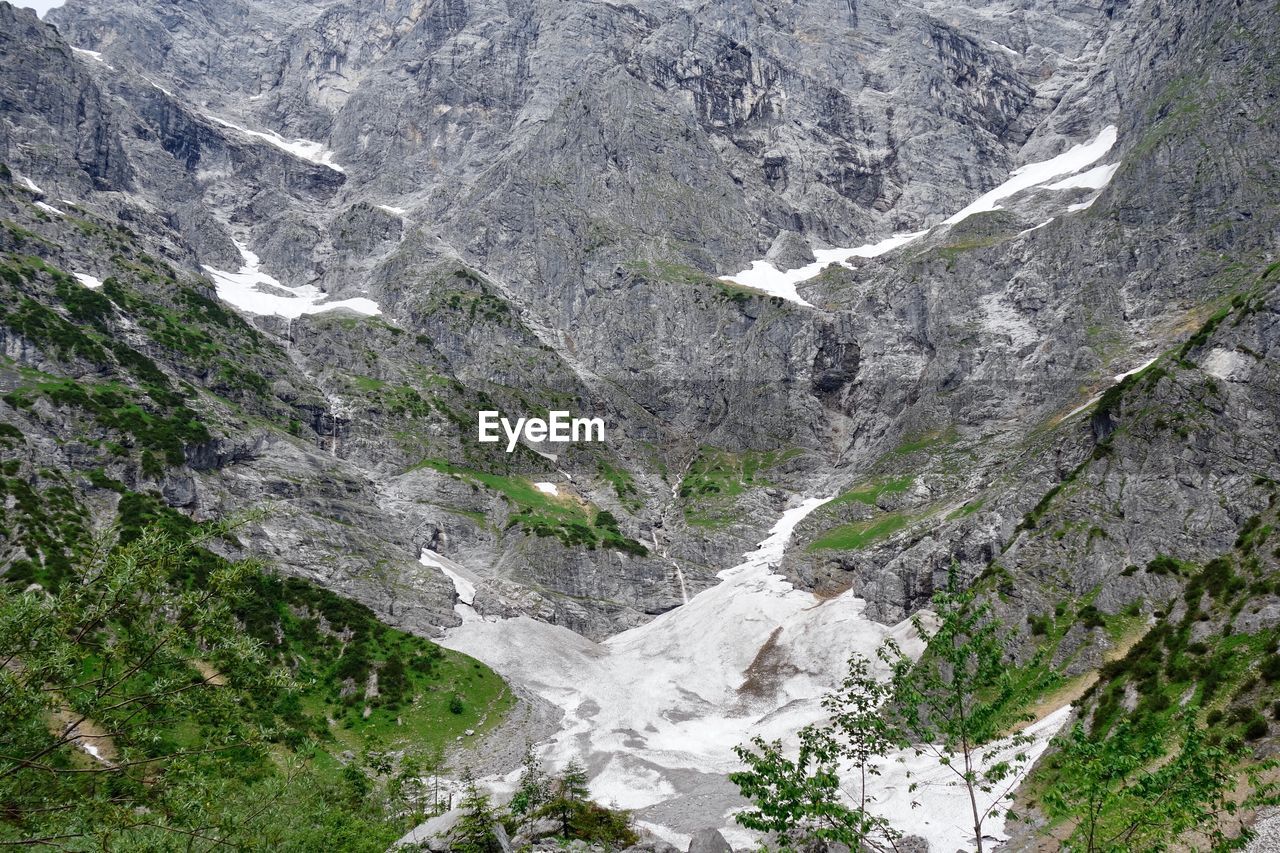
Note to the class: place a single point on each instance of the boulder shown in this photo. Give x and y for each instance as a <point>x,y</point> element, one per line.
<point>504,840</point>
<point>709,841</point>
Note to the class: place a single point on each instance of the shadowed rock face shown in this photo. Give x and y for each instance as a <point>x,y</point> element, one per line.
<point>540,195</point>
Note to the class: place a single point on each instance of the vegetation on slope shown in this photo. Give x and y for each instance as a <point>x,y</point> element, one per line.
<point>571,521</point>
<point>163,692</point>
<point>717,477</point>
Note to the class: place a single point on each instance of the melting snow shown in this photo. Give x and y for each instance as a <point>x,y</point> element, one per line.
<point>547,488</point>
<point>1084,205</point>
<point>1036,227</point>
<point>48,208</point>
<point>1119,377</point>
<point>88,281</point>
<point>93,750</point>
<point>30,184</point>
<point>1035,174</point>
<point>764,276</point>
<point>305,149</point>
<point>462,585</point>
<point>91,54</point>
<point>1094,179</point>
<point>254,291</point>
<point>394,211</point>
<point>656,711</point>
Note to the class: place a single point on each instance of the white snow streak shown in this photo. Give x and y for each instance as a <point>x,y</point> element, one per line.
<point>764,276</point>
<point>1084,205</point>
<point>88,281</point>
<point>1035,174</point>
<point>394,211</point>
<point>30,184</point>
<point>1094,179</point>
<point>48,208</point>
<point>305,149</point>
<point>1119,377</point>
<point>254,291</point>
<point>462,585</point>
<point>547,488</point>
<point>1036,227</point>
<point>91,54</point>
<point>93,750</point>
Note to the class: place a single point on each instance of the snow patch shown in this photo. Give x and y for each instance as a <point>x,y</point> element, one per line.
<point>305,149</point>
<point>94,751</point>
<point>1084,205</point>
<point>30,184</point>
<point>462,585</point>
<point>88,281</point>
<point>1120,377</point>
<point>939,809</point>
<point>658,709</point>
<point>547,488</point>
<point>1094,179</point>
<point>1036,227</point>
<point>394,211</point>
<point>1035,174</point>
<point>661,706</point>
<point>91,54</point>
<point>627,785</point>
<point>764,276</point>
<point>48,208</point>
<point>255,292</point>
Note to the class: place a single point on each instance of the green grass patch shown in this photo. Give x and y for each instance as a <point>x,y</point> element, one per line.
<point>926,441</point>
<point>572,522</point>
<point>967,510</point>
<point>717,477</point>
<point>859,534</point>
<point>870,493</point>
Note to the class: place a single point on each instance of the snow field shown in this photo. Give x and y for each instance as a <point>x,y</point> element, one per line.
<point>654,712</point>
<point>255,292</point>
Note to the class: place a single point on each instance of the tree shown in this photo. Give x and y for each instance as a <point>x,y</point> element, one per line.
<point>94,676</point>
<point>959,700</point>
<point>866,733</point>
<point>801,801</point>
<point>474,832</point>
<point>1128,793</point>
<point>569,796</point>
<point>532,790</point>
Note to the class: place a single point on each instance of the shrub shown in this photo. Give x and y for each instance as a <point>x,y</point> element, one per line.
<point>1257,728</point>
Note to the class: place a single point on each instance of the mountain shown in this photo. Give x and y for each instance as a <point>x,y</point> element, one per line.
<point>995,280</point>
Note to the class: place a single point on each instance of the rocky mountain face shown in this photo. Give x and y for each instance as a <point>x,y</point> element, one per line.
<point>541,197</point>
